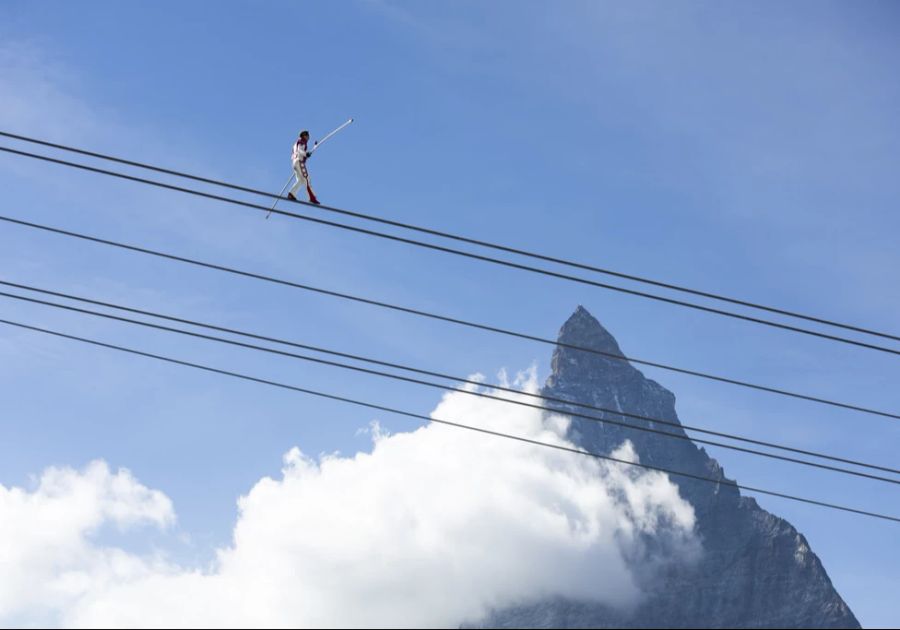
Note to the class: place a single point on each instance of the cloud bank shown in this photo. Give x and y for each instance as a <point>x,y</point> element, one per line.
<point>433,527</point>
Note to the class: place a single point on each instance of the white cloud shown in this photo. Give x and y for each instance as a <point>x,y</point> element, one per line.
<point>432,528</point>
<point>48,560</point>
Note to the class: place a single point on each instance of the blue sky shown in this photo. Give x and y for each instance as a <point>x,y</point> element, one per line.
<point>747,149</point>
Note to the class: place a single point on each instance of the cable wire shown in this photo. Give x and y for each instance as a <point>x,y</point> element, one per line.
<point>407,368</point>
<point>679,436</point>
<point>462,253</point>
<point>444,318</point>
<point>392,410</point>
<point>463,239</point>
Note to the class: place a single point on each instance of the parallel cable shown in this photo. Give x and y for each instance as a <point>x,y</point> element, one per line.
<point>407,368</point>
<point>463,253</point>
<point>392,410</point>
<point>444,318</point>
<point>369,371</point>
<point>463,239</point>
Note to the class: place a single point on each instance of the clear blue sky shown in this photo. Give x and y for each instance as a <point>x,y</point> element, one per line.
<point>748,149</point>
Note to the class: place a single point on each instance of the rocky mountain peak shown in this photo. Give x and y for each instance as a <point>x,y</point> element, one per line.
<point>756,569</point>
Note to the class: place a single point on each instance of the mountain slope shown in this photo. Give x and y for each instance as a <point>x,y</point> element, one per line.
<point>756,569</point>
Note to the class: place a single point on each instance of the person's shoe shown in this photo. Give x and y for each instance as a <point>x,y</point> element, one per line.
<point>291,196</point>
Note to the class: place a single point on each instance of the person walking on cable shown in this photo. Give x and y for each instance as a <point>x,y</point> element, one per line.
<point>298,158</point>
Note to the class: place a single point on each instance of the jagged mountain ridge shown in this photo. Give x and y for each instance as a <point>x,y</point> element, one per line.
<point>756,569</point>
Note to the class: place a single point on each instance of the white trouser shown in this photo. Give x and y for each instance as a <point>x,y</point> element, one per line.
<point>302,176</point>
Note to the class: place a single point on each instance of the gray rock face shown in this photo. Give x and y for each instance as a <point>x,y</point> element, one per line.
<point>756,570</point>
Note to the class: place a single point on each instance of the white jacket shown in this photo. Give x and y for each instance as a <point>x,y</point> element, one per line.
<point>300,152</point>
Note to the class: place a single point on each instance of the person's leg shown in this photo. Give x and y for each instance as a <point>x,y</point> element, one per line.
<point>309,191</point>
<point>301,181</point>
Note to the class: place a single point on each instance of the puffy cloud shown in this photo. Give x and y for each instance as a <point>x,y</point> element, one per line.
<point>47,560</point>
<point>433,527</point>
